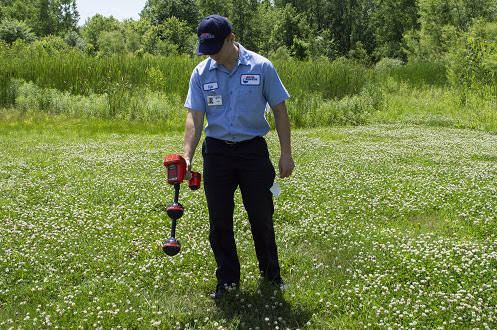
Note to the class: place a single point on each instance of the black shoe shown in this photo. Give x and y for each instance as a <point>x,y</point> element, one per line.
<point>281,285</point>
<point>222,290</point>
<point>277,282</point>
<point>218,294</point>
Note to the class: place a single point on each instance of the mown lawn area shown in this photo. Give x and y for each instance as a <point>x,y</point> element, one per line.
<point>379,226</point>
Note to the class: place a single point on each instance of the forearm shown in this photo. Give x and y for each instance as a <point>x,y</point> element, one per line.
<point>282,123</point>
<point>193,132</point>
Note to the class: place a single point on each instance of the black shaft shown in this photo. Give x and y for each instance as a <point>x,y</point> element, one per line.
<point>176,192</point>
<point>176,197</point>
<point>173,228</point>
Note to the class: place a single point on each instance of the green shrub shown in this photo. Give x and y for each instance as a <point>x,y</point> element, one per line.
<point>282,54</point>
<point>473,61</point>
<point>140,105</point>
<point>351,110</point>
<point>74,40</point>
<point>385,66</point>
<point>419,73</point>
<point>52,44</point>
<point>4,86</point>
<point>12,30</point>
<point>111,42</point>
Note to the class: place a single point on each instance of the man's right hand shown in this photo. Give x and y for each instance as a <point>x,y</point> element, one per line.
<point>188,173</point>
<point>193,130</point>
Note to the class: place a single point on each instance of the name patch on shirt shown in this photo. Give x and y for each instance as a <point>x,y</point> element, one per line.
<point>251,79</point>
<point>211,86</point>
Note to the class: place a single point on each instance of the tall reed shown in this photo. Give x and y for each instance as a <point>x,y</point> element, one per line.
<point>153,88</point>
<point>83,75</point>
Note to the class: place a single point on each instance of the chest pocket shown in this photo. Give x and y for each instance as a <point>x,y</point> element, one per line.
<point>251,84</point>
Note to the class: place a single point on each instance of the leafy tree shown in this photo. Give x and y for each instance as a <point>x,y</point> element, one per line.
<point>391,20</point>
<point>289,28</point>
<point>323,45</point>
<point>67,15</point>
<point>263,28</point>
<point>74,40</point>
<point>318,12</point>
<point>442,21</point>
<point>218,7</point>
<point>95,25</point>
<point>300,49</point>
<point>17,9</point>
<point>360,19</point>
<point>243,19</point>
<point>111,42</point>
<point>359,54</point>
<point>348,21</point>
<point>179,33</point>
<point>473,60</point>
<point>301,6</point>
<point>133,33</point>
<point>133,41</point>
<point>55,16</point>
<point>12,30</point>
<point>156,11</point>
<point>44,17</point>
<point>171,37</point>
<point>150,39</point>
<point>52,43</point>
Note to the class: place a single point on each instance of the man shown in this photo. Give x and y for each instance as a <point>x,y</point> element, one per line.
<point>231,88</point>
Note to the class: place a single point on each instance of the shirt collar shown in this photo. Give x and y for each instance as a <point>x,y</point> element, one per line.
<point>243,58</point>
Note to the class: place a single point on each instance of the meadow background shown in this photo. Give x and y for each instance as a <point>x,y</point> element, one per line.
<point>388,221</point>
<point>380,226</point>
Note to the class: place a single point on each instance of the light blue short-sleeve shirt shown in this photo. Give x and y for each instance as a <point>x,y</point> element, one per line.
<point>234,102</point>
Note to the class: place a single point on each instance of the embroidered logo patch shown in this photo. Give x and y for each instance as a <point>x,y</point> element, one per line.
<point>251,79</point>
<point>205,36</point>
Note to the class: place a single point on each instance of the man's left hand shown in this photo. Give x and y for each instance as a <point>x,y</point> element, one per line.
<point>286,166</point>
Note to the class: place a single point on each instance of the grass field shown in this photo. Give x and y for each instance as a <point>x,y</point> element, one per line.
<point>380,226</point>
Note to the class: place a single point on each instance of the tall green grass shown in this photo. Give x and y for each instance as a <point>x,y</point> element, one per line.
<point>329,79</point>
<point>79,74</point>
<point>134,87</point>
<point>153,88</point>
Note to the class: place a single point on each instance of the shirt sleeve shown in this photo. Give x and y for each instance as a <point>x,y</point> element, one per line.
<point>274,91</point>
<point>195,98</point>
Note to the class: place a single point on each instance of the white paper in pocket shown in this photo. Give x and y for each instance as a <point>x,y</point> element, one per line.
<point>275,190</point>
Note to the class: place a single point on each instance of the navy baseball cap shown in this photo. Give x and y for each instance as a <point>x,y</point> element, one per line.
<point>211,33</point>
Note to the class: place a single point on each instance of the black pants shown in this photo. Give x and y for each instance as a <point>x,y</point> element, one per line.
<point>248,166</point>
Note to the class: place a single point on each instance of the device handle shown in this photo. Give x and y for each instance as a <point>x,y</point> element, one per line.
<point>194,182</point>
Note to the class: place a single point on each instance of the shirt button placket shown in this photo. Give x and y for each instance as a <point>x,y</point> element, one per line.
<point>230,111</point>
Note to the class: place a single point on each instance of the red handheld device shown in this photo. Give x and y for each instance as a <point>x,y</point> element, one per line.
<point>176,169</point>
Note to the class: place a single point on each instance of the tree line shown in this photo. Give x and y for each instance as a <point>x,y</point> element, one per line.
<point>363,30</point>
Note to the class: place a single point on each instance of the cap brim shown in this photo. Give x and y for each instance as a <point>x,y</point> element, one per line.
<point>209,48</point>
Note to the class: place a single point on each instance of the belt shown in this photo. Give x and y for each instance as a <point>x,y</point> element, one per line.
<point>232,143</point>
